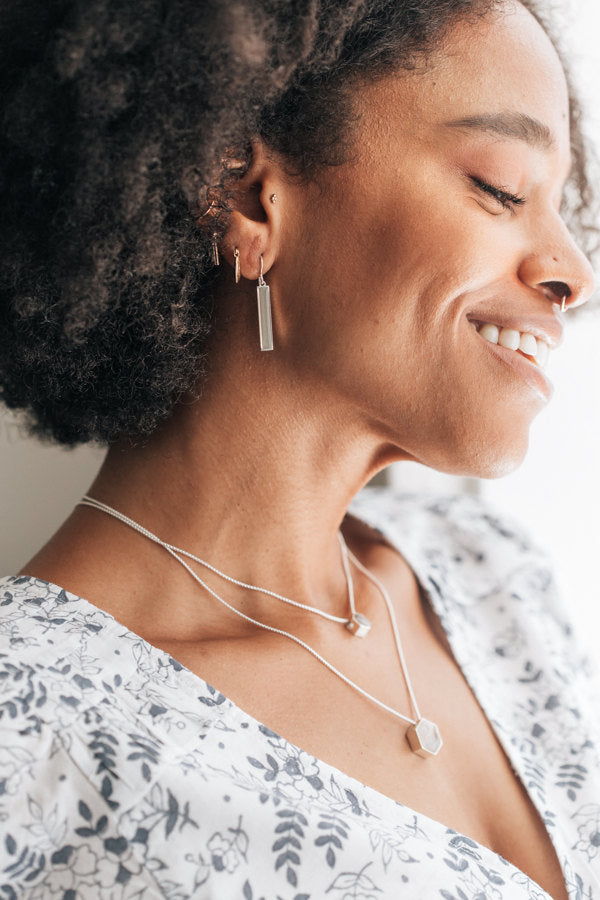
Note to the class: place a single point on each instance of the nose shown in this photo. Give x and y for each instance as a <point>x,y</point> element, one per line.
<point>558,268</point>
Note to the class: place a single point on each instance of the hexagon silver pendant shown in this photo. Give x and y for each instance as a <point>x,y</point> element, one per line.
<point>359,625</point>
<point>424,738</point>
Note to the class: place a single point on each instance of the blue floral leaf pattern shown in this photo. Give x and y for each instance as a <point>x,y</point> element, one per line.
<point>84,811</point>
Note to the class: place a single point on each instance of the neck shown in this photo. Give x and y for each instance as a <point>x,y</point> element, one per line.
<point>258,486</point>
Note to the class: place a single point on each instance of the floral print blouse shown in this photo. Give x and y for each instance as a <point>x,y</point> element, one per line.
<point>124,775</point>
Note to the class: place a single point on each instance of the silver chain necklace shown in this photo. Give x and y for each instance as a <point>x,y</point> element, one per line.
<point>423,736</point>
<point>358,624</point>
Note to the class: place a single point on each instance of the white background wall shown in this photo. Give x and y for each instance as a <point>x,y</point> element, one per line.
<point>38,487</point>
<point>556,493</point>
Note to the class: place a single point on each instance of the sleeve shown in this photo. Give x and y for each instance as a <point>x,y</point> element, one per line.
<point>58,836</point>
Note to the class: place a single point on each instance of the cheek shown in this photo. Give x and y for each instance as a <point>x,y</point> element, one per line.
<point>380,249</point>
<point>387,286</point>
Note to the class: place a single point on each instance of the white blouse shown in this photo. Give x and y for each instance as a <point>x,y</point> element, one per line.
<point>124,775</point>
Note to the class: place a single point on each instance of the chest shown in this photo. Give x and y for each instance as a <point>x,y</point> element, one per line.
<point>470,786</point>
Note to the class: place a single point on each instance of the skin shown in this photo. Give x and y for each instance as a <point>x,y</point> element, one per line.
<point>376,269</point>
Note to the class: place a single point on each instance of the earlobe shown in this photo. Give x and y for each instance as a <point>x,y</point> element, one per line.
<point>243,246</point>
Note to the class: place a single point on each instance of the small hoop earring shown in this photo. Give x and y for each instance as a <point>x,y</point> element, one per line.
<point>265,321</point>
<point>236,256</point>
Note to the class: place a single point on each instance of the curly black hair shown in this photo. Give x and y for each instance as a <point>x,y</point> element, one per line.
<point>119,122</point>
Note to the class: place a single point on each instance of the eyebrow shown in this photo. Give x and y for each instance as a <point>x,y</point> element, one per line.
<point>517,126</point>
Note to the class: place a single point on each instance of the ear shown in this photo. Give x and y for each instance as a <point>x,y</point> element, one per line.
<point>255,223</point>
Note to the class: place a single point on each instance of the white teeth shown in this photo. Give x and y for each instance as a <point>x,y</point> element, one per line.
<point>541,357</point>
<point>528,345</point>
<point>515,340</point>
<point>490,333</point>
<point>509,338</point>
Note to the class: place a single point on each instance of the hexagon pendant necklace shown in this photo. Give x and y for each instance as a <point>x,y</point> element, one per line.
<point>422,735</point>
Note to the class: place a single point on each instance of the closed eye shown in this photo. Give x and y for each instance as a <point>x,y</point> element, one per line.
<point>505,198</point>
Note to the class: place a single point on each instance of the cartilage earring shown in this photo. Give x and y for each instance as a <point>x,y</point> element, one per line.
<point>236,256</point>
<point>215,249</point>
<point>265,322</point>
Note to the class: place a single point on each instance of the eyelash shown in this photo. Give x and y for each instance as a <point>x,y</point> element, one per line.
<point>504,198</point>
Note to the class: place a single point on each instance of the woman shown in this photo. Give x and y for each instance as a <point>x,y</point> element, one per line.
<point>382,168</point>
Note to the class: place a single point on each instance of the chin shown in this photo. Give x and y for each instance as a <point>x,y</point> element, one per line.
<point>499,468</point>
<point>497,461</point>
<point>493,458</point>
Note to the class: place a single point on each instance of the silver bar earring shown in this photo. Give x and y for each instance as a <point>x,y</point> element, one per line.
<point>265,322</point>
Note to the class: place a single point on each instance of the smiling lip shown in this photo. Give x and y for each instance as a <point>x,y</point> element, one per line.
<point>527,370</point>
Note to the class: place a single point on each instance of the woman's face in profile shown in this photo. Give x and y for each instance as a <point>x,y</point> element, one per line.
<point>453,198</point>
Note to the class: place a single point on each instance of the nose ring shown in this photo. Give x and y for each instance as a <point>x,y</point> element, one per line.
<point>563,305</point>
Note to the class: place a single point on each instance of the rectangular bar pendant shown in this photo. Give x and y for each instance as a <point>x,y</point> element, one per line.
<point>265,324</point>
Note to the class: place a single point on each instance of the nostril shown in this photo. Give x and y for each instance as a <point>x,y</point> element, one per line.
<point>557,290</point>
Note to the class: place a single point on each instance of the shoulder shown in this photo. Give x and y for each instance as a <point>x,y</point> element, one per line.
<point>485,574</point>
<point>449,524</point>
<point>93,721</point>
<point>48,654</point>
<point>66,666</point>
<point>26,602</point>
<point>467,551</point>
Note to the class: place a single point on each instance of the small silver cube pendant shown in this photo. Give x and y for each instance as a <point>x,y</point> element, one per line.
<point>424,738</point>
<point>359,625</point>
